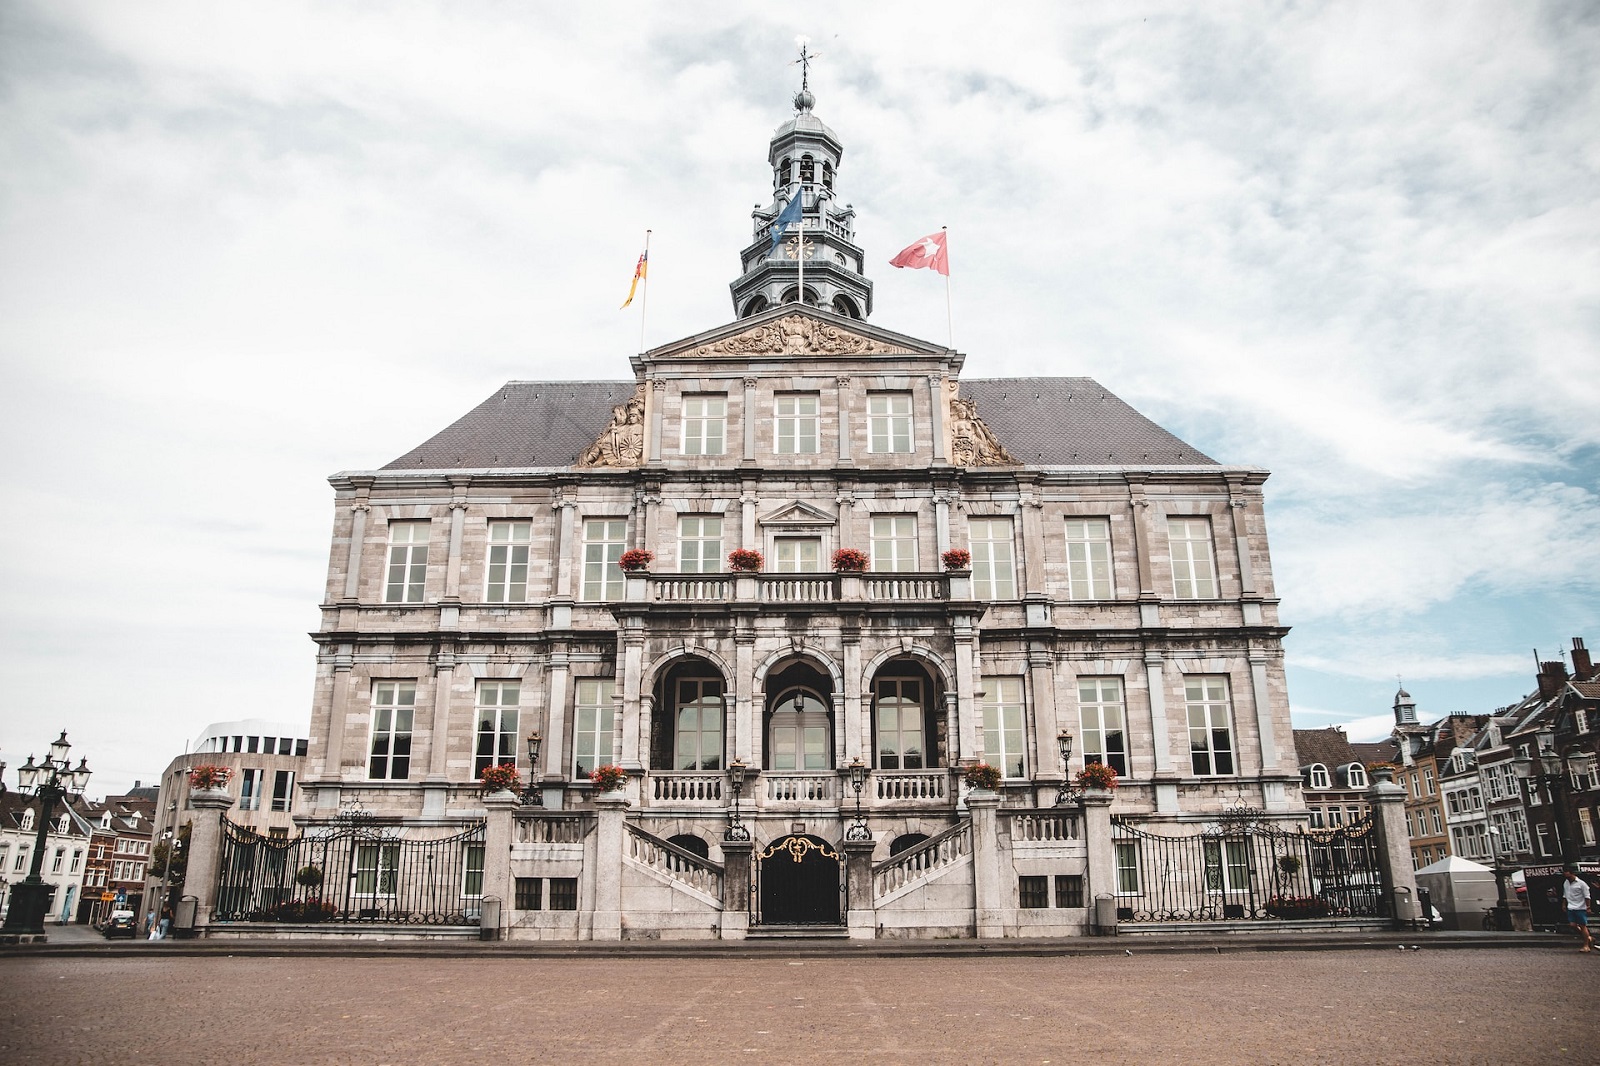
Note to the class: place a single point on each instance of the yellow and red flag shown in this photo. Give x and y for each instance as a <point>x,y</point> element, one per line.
<point>638,273</point>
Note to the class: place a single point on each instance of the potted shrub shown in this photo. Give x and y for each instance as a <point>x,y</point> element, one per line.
<point>209,778</point>
<point>308,876</point>
<point>1097,775</point>
<point>744,560</point>
<point>957,559</point>
<point>850,560</point>
<point>982,775</point>
<point>502,778</point>
<point>636,560</point>
<point>607,778</point>
<point>1380,772</point>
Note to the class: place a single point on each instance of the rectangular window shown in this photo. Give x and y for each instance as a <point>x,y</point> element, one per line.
<point>797,555</point>
<point>698,729</point>
<point>376,869</point>
<point>1438,823</point>
<point>602,548</point>
<point>699,544</point>
<point>1585,823</point>
<point>899,723</point>
<point>1427,780</point>
<point>60,857</point>
<point>1194,567</point>
<point>1089,559</point>
<point>993,571</point>
<point>796,417</point>
<point>408,562</point>
<point>1210,732</point>
<point>1100,715</point>
<point>1316,821</point>
<point>496,725</point>
<point>894,542</point>
<point>1543,833</point>
<point>704,424</point>
<point>1069,890</point>
<point>393,704</point>
<point>1127,853</point>
<point>889,422</point>
<point>282,791</point>
<point>592,739</point>
<point>1227,865</point>
<point>250,790</point>
<point>563,893</point>
<point>472,873</point>
<point>530,893</point>
<point>509,545</point>
<point>77,858</point>
<point>1003,725</point>
<point>1033,892</point>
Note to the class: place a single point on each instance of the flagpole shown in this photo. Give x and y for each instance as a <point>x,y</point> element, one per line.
<point>949,315</point>
<point>800,246</point>
<point>644,297</point>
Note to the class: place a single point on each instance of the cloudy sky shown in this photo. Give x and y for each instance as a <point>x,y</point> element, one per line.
<point>244,246</point>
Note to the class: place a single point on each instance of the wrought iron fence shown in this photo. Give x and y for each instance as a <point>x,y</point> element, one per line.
<point>352,871</point>
<point>1244,867</point>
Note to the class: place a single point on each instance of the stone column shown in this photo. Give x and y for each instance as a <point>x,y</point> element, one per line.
<point>657,395</point>
<point>606,919</point>
<point>1262,695</point>
<point>358,534</point>
<point>443,688</point>
<point>862,918</point>
<point>554,752</point>
<point>842,400</point>
<point>990,860</point>
<point>205,852</point>
<point>736,888</point>
<point>1102,856</point>
<point>1149,601</point>
<point>458,516</point>
<point>1387,800</point>
<point>747,415</point>
<point>497,839</point>
<point>338,700</point>
<point>937,411</point>
<point>1047,768</point>
<point>1241,536</point>
<point>567,552</point>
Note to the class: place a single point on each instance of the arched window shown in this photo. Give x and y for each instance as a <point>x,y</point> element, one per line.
<point>786,172</point>
<point>905,842</point>
<point>63,823</point>
<point>799,719</point>
<point>1319,776</point>
<point>907,734</point>
<point>789,295</point>
<point>755,306</point>
<point>827,174</point>
<point>687,728</point>
<point>27,819</point>
<point>808,170</point>
<point>1356,775</point>
<point>845,306</point>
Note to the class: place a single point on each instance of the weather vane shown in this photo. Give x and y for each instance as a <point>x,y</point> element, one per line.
<point>805,59</point>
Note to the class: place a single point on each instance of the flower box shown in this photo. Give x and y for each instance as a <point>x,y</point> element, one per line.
<point>1097,775</point>
<point>850,560</point>
<point>745,560</point>
<point>635,560</point>
<point>982,775</point>
<point>607,778</point>
<point>207,778</point>
<point>957,559</point>
<point>502,778</point>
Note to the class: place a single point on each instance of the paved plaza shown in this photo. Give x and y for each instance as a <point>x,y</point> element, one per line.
<point>1358,1007</point>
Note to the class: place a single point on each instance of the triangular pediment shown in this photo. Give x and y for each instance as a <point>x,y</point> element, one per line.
<point>791,329</point>
<point>798,514</point>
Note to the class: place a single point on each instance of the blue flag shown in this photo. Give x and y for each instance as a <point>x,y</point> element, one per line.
<point>789,216</point>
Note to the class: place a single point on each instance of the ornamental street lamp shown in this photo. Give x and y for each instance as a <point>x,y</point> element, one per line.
<point>48,781</point>
<point>1064,745</point>
<point>533,795</point>
<point>858,781</point>
<point>736,830</point>
<point>1549,770</point>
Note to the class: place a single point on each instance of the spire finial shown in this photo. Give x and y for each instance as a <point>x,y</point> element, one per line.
<point>803,100</point>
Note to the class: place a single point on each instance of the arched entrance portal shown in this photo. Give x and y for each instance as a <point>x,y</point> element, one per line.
<point>800,882</point>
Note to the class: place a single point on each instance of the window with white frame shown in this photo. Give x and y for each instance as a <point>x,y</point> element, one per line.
<point>1210,728</point>
<point>393,705</point>
<point>59,860</point>
<point>1194,565</point>
<point>1319,776</point>
<point>894,542</point>
<point>282,791</point>
<point>22,859</point>
<point>250,789</point>
<point>593,737</point>
<point>1100,714</point>
<point>1427,779</point>
<point>993,569</point>
<point>1127,858</point>
<point>1316,817</point>
<point>377,868</point>
<point>1003,734</point>
<point>1355,776</point>
<point>797,555</point>
<point>704,424</point>
<point>889,422</point>
<point>408,562</point>
<point>77,860</point>
<point>602,550</point>
<point>1438,821</point>
<point>1542,832</point>
<point>472,872</point>
<point>898,716</point>
<point>1227,865</point>
<point>496,725</point>
<point>698,712</point>
<point>509,545</point>
<point>1089,559</point>
<point>699,544</point>
<point>1586,824</point>
<point>795,423</point>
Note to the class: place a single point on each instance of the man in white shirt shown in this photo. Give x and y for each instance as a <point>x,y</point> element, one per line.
<point>1576,893</point>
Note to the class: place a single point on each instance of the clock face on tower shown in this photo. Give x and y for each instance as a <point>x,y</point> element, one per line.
<point>791,247</point>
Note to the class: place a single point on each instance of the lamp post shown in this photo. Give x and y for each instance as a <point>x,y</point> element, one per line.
<point>1548,770</point>
<point>1064,746</point>
<point>736,774</point>
<point>50,780</point>
<point>858,781</point>
<point>533,795</point>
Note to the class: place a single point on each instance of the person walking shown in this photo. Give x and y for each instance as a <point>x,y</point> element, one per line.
<point>1578,899</point>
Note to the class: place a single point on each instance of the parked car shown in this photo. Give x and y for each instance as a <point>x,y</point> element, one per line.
<point>120,923</point>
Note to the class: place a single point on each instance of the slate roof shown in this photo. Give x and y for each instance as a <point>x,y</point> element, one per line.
<point>1041,421</point>
<point>1329,746</point>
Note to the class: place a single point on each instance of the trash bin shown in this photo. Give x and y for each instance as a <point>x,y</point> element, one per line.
<point>1405,908</point>
<point>1105,915</point>
<point>183,917</point>
<point>489,918</point>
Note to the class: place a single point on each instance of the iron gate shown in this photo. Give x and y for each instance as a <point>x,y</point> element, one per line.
<point>798,846</point>
<point>348,872</point>
<point>1244,867</point>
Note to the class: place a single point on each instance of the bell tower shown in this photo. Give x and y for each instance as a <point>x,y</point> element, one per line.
<point>804,154</point>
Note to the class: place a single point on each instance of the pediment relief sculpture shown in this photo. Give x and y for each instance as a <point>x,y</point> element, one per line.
<point>798,514</point>
<point>622,442</point>
<point>972,443</point>
<point>797,335</point>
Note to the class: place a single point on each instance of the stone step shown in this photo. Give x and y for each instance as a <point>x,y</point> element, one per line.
<point>798,932</point>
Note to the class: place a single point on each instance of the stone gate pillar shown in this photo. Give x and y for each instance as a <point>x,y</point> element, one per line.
<point>497,837</point>
<point>606,920</point>
<point>1101,853</point>
<point>205,852</point>
<point>736,888</point>
<point>862,919</point>
<point>1395,870</point>
<point>991,865</point>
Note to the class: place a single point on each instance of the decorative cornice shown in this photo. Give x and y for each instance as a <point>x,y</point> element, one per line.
<point>797,335</point>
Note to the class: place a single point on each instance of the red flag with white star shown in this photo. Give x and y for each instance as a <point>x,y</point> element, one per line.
<point>929,253</point>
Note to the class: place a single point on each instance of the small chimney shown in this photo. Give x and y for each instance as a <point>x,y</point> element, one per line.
<point>1552,676</point>
<point>1582,668</point>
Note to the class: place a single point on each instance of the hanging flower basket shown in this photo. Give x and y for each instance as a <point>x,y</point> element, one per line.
<point>607,778</point>
<point>850,560</point>
<point>745,560</point>
<point>308,876</point>
<point>982,775</point>
<point>957,559</point>
<point>210,778</point>
<point>1097,775</point>
<point>502,778</point>
<point>635,560</point>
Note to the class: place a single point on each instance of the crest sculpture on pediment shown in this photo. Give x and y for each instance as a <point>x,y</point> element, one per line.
<point>972,442</point>
<point>797,335</point>
<point>622,442</point>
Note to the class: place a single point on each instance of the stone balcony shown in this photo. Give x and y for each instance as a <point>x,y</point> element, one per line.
<point>802,790</point>
<point>792,590</point>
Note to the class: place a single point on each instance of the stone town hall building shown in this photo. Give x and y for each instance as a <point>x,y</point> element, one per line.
<point>1119,591</point>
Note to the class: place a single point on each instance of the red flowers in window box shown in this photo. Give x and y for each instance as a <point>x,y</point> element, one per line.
<point>636,559</point>
<point>982,775</point>
<point>745,560</point>
<point>210,777</point>
<point>957,559</point>
<point>1097,775</point>
<point>502,778</point>
<point>607,778</point>
<point>850,560</point>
